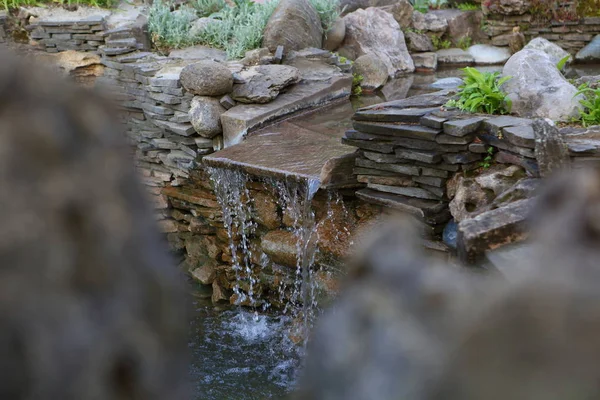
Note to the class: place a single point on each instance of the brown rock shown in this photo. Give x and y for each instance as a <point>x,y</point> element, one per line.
<point>295,25</point>
<point>266,210</point>
<point>205,274</point>
<point>219,294</point>
<point>282,247</point>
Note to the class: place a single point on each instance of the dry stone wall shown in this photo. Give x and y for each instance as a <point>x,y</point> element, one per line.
<point>82,35</point>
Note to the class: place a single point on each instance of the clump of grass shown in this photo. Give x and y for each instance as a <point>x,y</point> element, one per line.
<point>238,29</point>
<point>14,4</point>
<point>591,105</point>
<point>170,28</point>
<point>468,7</point>
<point>465,42</point>
<point>329,11</point>
<point>440,43</point>
<point>205,8</point>
<point>356,81</point>
<point>482,93</point>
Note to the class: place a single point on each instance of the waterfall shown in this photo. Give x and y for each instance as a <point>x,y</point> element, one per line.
<point>295,198</point>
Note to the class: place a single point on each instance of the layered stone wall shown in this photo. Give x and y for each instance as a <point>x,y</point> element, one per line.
<point>570,35</point>
<point>81,35</point>
<point>417,157</point>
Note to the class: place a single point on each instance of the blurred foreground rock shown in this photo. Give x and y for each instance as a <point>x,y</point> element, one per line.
<point>90,307</point>
<point>405,328</point>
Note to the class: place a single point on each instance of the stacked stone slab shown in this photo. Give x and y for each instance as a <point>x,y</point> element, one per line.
<point>81,35</point>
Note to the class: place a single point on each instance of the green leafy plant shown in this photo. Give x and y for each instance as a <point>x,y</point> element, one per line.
<point>590,115</point>
<point>465,42</point>
<point>563,61</point>
<point>329,11</point>
<point>468,7</point>
<point>421,6</point>
<point>489,158</point>
<point>481,92</point>
<point>356,81</point>
<point>439,43</point>
<point>205,8</point>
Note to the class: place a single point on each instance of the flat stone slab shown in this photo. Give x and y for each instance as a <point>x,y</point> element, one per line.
<point>404,191</point>
<point>495,124</point>
<point>493,229</point>
<point>241,119</point>
<point>520,135</point>
<point>289,151</point>
<point>418,207</point>
<point>58,16</point>
<point>399,130</point>
<point>454,56</point>
<point>199,53</point>
<point>410,115</point>
<point>427,100</point>
<point>463,127</point>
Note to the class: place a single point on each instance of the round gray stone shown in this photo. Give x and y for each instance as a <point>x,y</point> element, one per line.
<point>373,70</point>
<point>205,116</point>
<point>207,78</point>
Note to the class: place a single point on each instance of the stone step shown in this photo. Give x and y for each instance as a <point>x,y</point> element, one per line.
<point>409,115</point>
<point>405,169</point>
<point>415,192</point>
<point>399,130</point>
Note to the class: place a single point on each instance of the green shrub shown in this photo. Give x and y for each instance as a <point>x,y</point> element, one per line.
<point>591,105</point>
<point>205,8</point>
<point>356,81</point>
<point>421,6</point>
<point>14,4</point>
<point>468,7</point>
<point>170,29</point>
<point>238,29</point>
<point>481,92</point>
<point>329,11</point>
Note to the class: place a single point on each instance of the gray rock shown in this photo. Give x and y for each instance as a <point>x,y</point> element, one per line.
<point>353,5</point>
<point>295,25</point>
<point>402,11</point>
<point>591,52</point>
<point>454,56</point>
<point>262,84</point>
<point>253,57</point>
<point>551,151</point>
<point>463,24</point>
<point>207,78</point>
<point>418,42</point>
<point>447,83</point>
<point>520,135</point>
<point>516,42</point>
<point>485,54</point>
<point>425,61</point>
<point>373,71</point>
<point>538,89</point>
<point>429,22</point>
<point>227,102</point>
<point>373,31</point>
<point>335,35</point>
<point>554,51</point>
<point>463,127</point>
<point>469,199</point>
<point>205,116</point>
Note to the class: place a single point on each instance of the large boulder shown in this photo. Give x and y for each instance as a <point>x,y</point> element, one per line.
<point>262,84</point>
<point>591,52</point>
<point>295,25</point>
<point>205,116</point>
<point>554,51</point>
<point>485,54</point>
<point>374,31</point>
<point>207,78</point>
<point>537,87</point>
<point>373,71</point>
